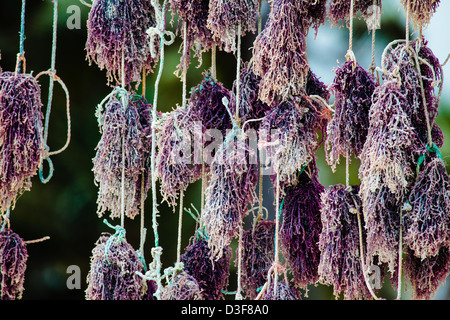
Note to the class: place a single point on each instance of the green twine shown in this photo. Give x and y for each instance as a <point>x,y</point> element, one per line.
<point>118,236</point>
<point>229,293</point>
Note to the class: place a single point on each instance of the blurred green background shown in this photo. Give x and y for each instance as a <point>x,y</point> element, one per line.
<point>65,207</point>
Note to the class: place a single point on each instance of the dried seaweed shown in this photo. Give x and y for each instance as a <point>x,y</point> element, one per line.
<point>13,263</point>
<point>211,274</point>
<point>231,189</point>
<point>194,15</point>
<point>428,222</point>
<point>257,256</point>
<point>340,261</point>
<point>427,275</point>
<point>339,10</point>
<point>112,275</point>
<point>206,102</point>
<point>225,16</point>
<point>353,88</point>
<point>175,167</point>
<point>290,137</point>
<point>279,51</point>
<point>116,28</point>
<point>401,63</point>
<point>182,287</point>
<point>21,135</point>
<point>301,227</point>
<point>421,11</point>
<point>123,146</point>
<point>283,292</point>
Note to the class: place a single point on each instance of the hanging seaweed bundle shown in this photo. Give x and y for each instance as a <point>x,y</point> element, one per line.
<point>427,275</point>
<point>301,227</point>
<point>116,31</point>
<point>21,135</point>
<point>206,102</point>
<point>284,292</point>
<point>421,11</point>
<point>340,260</point>
<point>231,189</point>
<point>290,137</point>
<point>227,16</point>
<point>386,170</point>
<point>211,274</point>
<point>175,167</point>
<point>428,221</point>
<point>353,88</point>
<point>339,10</point>
<point>257,256</point>
<point>13,263</point>
<point>192,15</point>
<point>120,158</point>
<point>419,72</point>
<point>250,106</point>
<point>279,52</point>
<point>182,287</point>
<point>113,271</point>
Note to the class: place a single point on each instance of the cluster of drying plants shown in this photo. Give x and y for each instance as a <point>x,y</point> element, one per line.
<point>397,218</point>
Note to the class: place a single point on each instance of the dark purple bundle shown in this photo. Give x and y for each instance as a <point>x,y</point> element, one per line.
<point>340,9</point>
<point>182,287</point>
<point>198,37</point>
<point>121,128</point>
<point>427,275</point>
<point>291,137</point>
<point>279,52</point>
<point>387,156</point>
<point>257,256</point>
<point>250,107</point>
<point>353,88</point>
<point>117,27</point>
<point>421,11</point>
<point>226,15</point>
<point>401,63</point>
<point>206,102</point>
<point>428,222</point>
<point>283,292</point>
<point>210,273</point>
<point>174,162</point>
<point>113,273</point>
<point>301,227</point>
<point>315,87</point>
<point>21,135</point>
<point>231,189</point>
<point>340,260</point>
<point>13,263</point>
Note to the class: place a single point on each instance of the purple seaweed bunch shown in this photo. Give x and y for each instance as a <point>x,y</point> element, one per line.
<point>113,273</point>
<point>421,11</point>
<point>22,145</point>
<point>210,273</point>
<point>339,10</point>
<point>117,34</point>
<point>231,189</point>
<point>301,226</point>
<point>353,88</point>
<point>175,167</point>
<point>13,263</point>
<point>229,19</point>
<point>340,260</point>
<point>122,154</point>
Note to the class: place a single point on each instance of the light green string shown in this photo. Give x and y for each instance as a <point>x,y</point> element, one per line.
<point>118,236</point>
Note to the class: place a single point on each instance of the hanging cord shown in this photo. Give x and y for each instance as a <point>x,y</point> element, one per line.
<point>277,231</point>
<point>160,31</point>
<point>124,99</point>
<point>238,80</point>
<point>213,62</point>
<point>87,4</point>
<point>53,77</point>
<point>21,55</point>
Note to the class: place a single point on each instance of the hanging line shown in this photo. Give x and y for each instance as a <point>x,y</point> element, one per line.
<point>160,31</point>
<point>53,77</point>
<point>20,62</point>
